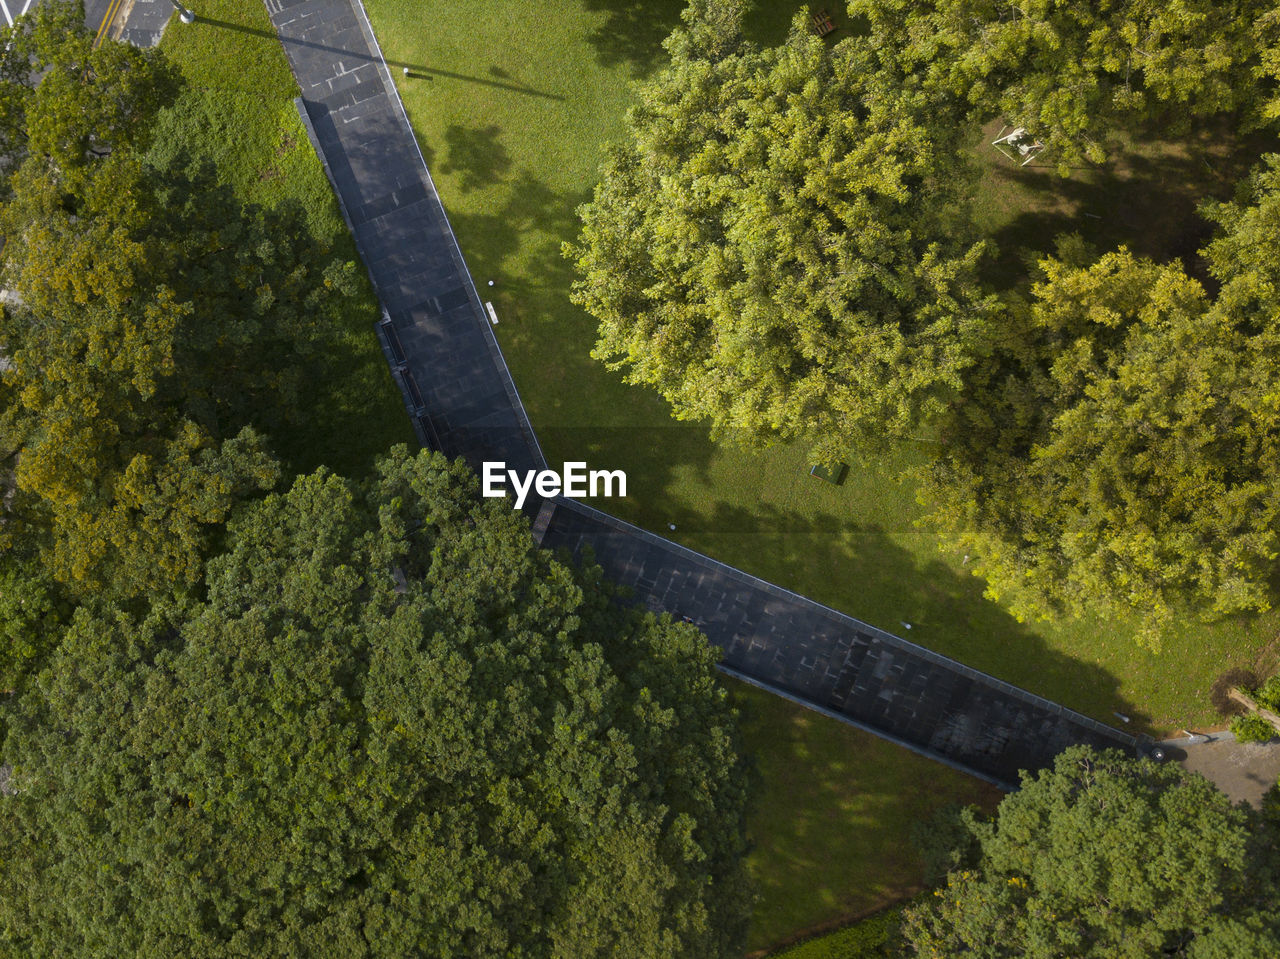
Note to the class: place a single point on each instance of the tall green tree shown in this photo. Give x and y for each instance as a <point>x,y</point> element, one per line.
<point>1105,856</point>
<point>132,360</point>
<point>1073,73</point>
<point>394,728</point>
<point>1124,456</point>
<point>777,248</point>
<point>1120,451</point>
<point>154,318</point>
<point>68,102</point>
<point>1243,257</point>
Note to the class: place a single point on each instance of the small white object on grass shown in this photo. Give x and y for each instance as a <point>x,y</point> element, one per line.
<point>905,625</point>
<point>491,282</point>
<point>406,71</point>
<point>671,526</point>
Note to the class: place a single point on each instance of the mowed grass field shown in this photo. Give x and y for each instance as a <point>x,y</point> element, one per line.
<point>237,110</point>
<point>513,110</point>
<point>834,807</point>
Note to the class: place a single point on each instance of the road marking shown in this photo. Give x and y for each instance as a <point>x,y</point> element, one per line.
<point>106,21</point>
<point>7,15</point>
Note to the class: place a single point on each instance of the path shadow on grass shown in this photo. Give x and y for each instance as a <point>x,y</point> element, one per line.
<point>858,568</point>
<point>633,31</point>
<point>529,210</point>
<point>476,155</point>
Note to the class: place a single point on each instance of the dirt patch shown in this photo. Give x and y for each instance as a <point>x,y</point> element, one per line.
<point>1244,771</point>
<point>1240,678</point>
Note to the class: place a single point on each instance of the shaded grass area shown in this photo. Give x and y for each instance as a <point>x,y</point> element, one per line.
<point>513,110</point>
<point>237,110</point>
<point>833,811</point>
<point>1145,196</point>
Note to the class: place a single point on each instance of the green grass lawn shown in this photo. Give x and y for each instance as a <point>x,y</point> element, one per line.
<point>237,110</point>
<point>513,110</point>
<point>833,809</point>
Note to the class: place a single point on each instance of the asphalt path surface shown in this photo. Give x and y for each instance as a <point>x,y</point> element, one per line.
<point>12,9</point>
<point>99,15</point>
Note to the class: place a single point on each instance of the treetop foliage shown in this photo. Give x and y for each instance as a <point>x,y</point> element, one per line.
<point>491,758</point>
<point>1106,856</point>
<point>774,249</point>
<point>1072,72</point>
<point>158,330</point>
<point>783,248</point>
<point>1125,452</point>
<point>67,103</point>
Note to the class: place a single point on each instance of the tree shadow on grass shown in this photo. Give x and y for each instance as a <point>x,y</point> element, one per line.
<point>633,31</point>
<point>860,569</point>
<point>1146,197</point>
<point>578,408</point>
<point>832,809</point>
<point>476,155</point>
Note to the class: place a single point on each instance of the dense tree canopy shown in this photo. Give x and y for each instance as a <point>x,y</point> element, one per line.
<point>1072,72</point>
<point>30,619</point>
<point>1122,451</point>
<point>154,320</point>
<point>1108,857</point>
<point>773,249</point>
<point>394,728</point>
<point>68,102</point>
<point>119,451</point>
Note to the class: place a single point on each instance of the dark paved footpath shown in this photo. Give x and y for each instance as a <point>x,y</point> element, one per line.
<point>441,348</point>
<point>457,387</point>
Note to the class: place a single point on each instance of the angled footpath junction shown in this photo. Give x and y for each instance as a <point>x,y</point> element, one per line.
<point>458,390</point>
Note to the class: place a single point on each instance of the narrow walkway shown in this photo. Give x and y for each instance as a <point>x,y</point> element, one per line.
<point>441,348</point>
<point>457,388</point>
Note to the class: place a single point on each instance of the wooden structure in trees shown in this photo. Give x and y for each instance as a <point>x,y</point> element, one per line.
<point>1248,702</point>
<point>822,23</point>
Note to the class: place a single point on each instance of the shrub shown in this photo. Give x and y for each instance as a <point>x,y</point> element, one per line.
<point>1252,729</point>
<point>872,938</point>
<point>1268,694</point>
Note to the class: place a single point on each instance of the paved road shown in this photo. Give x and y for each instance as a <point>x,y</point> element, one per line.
<point>95,11</point>
<point>830,661</point>
<point>140,22</point>
<point>458,390</point>
<point>1244,771</point>
<point>12,9</point>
